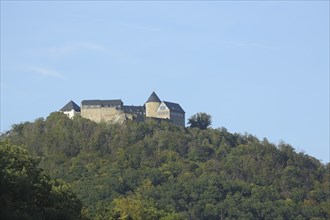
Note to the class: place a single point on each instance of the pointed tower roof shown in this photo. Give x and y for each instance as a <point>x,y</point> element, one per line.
<point>153,98</point>
<point>69,106</point>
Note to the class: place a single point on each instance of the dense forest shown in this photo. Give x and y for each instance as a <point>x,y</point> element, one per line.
<point>156,170</point>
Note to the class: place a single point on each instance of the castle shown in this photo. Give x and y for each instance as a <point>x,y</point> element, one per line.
<point>114,111</point>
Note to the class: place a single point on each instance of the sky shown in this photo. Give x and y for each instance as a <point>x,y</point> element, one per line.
<point>256,67</point>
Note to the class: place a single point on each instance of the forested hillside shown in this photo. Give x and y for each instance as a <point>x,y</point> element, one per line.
<point>156,170</point>
<point>27,193</point>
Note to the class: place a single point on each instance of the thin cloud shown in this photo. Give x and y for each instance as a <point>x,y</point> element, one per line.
<point>72,48</point>
<point>47,72</point>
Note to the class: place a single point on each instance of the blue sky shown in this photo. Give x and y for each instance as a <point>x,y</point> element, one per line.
<point>256,67</point>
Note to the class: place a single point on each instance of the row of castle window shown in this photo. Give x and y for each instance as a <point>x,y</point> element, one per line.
<point>176,114</point>
<point>98,106</point>
<point>162,113</point>
<point>91,106</point>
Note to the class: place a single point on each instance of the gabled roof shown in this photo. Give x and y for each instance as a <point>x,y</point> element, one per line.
<point>69,106</point>
<point>153,98</point>
<point>134,109</point>
<point>102,102</point>
<point>174,107</point>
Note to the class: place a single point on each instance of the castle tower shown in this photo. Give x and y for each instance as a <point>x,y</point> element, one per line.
<point>152,105</point>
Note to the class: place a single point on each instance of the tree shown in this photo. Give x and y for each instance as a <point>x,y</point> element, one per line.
<point>139,206</point>
<point>200,120</point>
<point>26,192</point>
<point>151,170</point>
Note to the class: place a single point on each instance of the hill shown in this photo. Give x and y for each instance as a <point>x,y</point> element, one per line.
<point>156,170</point>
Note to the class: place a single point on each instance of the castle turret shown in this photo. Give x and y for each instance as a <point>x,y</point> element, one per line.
<point>152,105</point>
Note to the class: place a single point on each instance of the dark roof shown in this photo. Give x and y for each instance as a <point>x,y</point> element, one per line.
<point>91,102</point>
<point>174,107</point>
<point>69,106</point>
<point>102,102</point>
<point>153,98</point>
<point>134,109</point>
<point>112,102</point>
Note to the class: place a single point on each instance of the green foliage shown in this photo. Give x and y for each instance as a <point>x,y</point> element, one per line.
<point>200,120</point>
<point>27,193</point>
<point>156,170</point>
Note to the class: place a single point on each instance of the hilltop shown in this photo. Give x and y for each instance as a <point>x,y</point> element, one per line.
<point>157,170</point>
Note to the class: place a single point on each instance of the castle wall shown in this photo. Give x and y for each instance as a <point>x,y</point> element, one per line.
<point>93,114</point>
<point>112,115</point>
<point>178,118</point>
<point>151,109</point>
<point>104,114</point>
<point>104,111</point>
<point>71,113</point>
<point>161,111</point>
<point>165,114</point>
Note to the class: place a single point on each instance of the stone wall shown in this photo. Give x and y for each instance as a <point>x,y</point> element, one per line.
<point>151,109</point>
<point>111,115</point>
